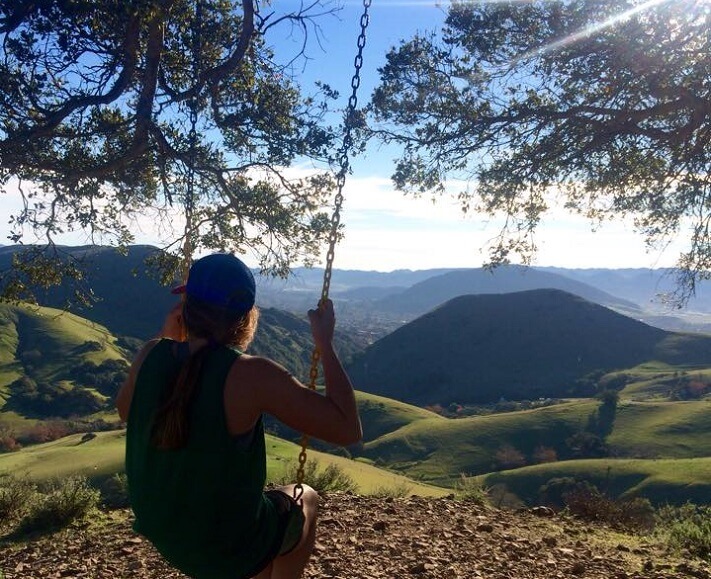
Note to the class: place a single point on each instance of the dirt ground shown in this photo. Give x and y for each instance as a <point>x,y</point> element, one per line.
<point>364,537</point>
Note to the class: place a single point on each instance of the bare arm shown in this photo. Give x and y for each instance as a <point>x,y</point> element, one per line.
<point>257,385</point>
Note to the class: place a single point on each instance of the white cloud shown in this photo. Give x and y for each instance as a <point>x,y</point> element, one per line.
<point>384,230</point>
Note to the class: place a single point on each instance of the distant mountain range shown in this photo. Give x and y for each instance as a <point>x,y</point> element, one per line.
<point>524,345</point>
<point>400,291</point>
<point>427,294</point>
<point>130,300</point>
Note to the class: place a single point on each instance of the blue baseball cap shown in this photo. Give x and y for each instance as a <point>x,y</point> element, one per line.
<point>221,280</point>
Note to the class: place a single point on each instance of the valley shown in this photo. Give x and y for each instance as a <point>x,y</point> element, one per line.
<point>507,388</point>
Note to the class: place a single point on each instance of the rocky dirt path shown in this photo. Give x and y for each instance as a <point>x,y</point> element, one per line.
<point>366,537</point>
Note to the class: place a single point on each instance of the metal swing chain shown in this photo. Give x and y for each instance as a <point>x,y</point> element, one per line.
<point>350,120</point>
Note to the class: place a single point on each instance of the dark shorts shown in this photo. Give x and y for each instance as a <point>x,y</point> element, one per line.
<point>291,519</point>
<point>289,530</point>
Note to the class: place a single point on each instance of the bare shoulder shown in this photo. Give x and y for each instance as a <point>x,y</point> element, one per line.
<point>247,368</point>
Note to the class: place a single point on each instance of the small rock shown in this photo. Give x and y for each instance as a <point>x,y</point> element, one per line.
<point>543,511</point>
<point>380,525</point>
<point>578,568</point>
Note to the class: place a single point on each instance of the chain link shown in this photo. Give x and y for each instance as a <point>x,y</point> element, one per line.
<point>344,166</point>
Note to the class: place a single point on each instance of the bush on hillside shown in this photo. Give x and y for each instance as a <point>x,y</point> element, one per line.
<point>585,444</point>
<point>687,527</point>
<point>587,502</point>
<point>8,441</point>
<point>543,454</point>
<point>61,503</point>
<point>470,490</point>
<point>690,388</point>
<point>106,377</point>
<point>331,478</point>
<point>503,498</point>
<point>46,431</point>
<point>509,457</point>
<point>114,491</point>
<point>395,491</point>
<point>129,345</point>
<point>17,497</point>
<point>45,399</point>
<point>552,493</point>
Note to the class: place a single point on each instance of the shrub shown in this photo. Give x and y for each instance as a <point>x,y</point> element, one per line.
<point>396,491</point>
<point>63,502</point>
<point>8,442</point>
<point>587,502</point>
<point>509,457</point>
<point>552,493</point>
<point>468,489</point>
<point>332,478</point>
<point>46,431</point>
<point>544,454</point>
<point>502,498</point>
<point>686,527</point>
<point>17,497</point>
<point>114,491</point>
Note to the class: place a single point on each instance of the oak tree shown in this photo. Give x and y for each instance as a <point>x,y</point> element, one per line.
<point>113,110</point>
<point>602,105</point>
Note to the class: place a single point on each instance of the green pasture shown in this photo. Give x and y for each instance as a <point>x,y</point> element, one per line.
<point>55,340</point>
<point>381,415</point>
<point>439,450</point>
<point>662,429</point>
<point>655,380</point>
<point>104,455</point>
<point>673,481</point>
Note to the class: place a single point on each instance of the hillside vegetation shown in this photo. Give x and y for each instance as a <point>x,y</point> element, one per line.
<point>438,451</point>
<point>526,345</point>
<point>56,364</point>
<point>662,481</point>
<point>103,456</point>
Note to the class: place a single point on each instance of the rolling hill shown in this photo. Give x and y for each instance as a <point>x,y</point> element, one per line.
<point>77,365</point>
<point>432,292</point>
<point>130,301</point>
<point>662,481</point>
<point>46,358</point>
<point>103,456</point>
<point>525,345</point>
<point>438,450</point>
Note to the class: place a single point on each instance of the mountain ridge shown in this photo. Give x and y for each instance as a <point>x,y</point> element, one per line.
<point>523,345</point>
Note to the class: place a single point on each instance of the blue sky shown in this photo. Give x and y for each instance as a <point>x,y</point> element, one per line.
<point>386,231</point>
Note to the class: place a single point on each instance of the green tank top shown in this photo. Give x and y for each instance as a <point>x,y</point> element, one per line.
<point>202,506</point>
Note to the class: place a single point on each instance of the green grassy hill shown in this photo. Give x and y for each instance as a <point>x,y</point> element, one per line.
<point>674,481</point>
<point>381,415</point>
<point>48,353</point>
<point>526,345</point>
<point>104,455</point>
<point>44,355</point>
<point>439,450</point>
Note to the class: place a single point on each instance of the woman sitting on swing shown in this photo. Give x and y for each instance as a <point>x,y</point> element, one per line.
<point>195,449</point>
